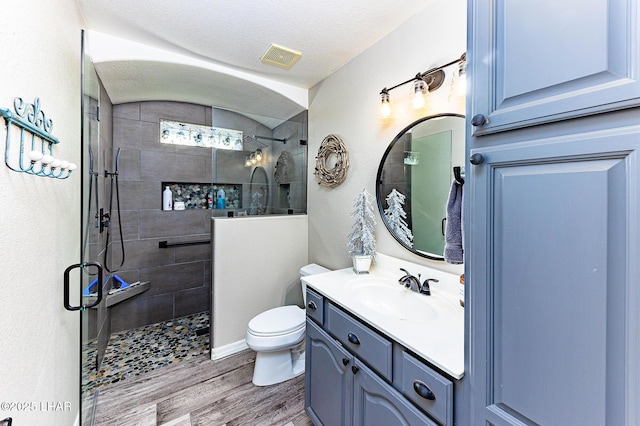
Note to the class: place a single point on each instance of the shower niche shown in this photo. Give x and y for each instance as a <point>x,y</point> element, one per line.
<point>198,195</point>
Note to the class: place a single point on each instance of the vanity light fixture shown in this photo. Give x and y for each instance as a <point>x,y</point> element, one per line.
<point>255,156</point>
<point>423,83</point>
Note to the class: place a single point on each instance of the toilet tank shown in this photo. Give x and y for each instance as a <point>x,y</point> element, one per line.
<point>311,269</point>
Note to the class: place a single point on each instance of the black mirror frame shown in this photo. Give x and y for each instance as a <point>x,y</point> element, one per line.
<point>379,197</point>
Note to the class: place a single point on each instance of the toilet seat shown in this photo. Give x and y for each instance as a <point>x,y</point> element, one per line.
<point>278,321</point>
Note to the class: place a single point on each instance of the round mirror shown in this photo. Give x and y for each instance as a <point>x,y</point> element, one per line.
<point>414,179</point>
<point>259,192</point>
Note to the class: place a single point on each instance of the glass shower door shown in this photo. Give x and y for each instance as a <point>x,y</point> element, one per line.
<point>91,273</point>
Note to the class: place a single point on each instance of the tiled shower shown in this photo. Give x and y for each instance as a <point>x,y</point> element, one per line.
<point>180,275</point>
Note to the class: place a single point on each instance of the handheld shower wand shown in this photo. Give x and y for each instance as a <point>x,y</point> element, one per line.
<point>114,177</point>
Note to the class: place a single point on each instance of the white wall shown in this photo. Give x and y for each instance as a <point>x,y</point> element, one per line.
<point>256,264</point>
<point>40,217</point>
<point>347,104</point>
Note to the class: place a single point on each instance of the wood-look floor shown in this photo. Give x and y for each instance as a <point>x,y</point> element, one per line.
<point>199,391</point>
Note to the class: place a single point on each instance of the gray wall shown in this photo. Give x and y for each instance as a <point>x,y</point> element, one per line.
<point>101,139</point>
<point>292,195</point>
<point>180,277</point>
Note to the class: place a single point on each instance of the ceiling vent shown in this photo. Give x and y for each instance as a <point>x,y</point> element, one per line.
<point>281,57</point>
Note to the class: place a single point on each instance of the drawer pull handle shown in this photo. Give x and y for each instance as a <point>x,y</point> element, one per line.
<point>312,305</point>
<point>423,390</point>
<point>353,339</point>
<point>345,361</point>
<point>354,369</point>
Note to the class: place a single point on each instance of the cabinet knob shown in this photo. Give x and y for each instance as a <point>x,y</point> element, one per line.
<point>354,369</point>
<point>423,390</point>
<point>312,305</point>
<point>353,339</point>
<point>476,159</point>
<point>345,361</point>
<point>479,120</point>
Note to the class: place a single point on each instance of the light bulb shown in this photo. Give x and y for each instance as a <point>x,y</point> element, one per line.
<point>47,159</point>
<point>460,77</point>
<point>56,163</point>
<point>64,164</point>
<point>72,166</point>
<point>247,162</point>
<point>35,156</point>
<point>420,90</point>
<point>259,155</point>
<point>385,108</point>
<point>418,100</point>
<point>458,84</point>
<point>461,84</point>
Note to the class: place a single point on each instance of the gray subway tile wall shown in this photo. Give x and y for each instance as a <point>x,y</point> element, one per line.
<point>180,276</point>
<point>144,164</point>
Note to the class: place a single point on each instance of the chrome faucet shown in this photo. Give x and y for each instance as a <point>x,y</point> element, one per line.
<point>413,283</point>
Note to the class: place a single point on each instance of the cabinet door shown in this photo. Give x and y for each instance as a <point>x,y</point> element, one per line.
<point>376,403</point>
<point>554,290</point>
<point>539,61</point>
<point>328,381</point>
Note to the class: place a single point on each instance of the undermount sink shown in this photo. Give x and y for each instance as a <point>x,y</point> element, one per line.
<point>385,296</point>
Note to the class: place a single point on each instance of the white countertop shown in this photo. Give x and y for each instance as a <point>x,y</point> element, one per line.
<point>438,337</point>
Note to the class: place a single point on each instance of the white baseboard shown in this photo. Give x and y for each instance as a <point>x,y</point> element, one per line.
<point>230,349</point>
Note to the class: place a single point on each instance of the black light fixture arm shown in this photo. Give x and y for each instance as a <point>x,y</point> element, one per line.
<point>424,75</point>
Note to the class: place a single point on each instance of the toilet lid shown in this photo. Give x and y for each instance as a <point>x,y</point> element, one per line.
<point>282,320</point>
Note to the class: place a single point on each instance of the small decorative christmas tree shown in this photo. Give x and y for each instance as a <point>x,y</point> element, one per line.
<point>256,204</point>
<point>396,216</point>
<point>361,241</point>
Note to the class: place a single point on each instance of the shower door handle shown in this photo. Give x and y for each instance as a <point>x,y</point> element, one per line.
<point>82,307</point>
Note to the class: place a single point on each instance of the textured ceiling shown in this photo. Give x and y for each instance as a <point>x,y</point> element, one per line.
<point>227,39</point>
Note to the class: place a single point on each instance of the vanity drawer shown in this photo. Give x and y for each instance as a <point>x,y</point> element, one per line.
<point>371,347</point>
<point>419,383</point>
<point>315,307</point>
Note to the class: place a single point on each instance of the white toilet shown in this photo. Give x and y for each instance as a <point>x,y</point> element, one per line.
<point>277,336</point>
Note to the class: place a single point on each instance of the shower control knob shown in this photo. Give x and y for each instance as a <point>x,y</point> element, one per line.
<point>479,120</point>
<point>476,159</point>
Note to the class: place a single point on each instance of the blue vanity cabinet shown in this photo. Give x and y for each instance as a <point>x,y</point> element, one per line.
<point>328,380</point>
<point>357,376</point>
<point>552,199</point>
<point>377,403</point>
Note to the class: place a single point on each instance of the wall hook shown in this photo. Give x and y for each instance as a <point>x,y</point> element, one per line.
<point>31,123</point>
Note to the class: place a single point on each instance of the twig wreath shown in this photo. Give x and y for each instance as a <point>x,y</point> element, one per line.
<point>331,145</point>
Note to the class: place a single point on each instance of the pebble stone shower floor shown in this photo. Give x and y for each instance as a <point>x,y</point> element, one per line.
<point>138,351</point>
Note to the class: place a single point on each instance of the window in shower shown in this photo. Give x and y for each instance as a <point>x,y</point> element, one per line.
<point>177,133</point>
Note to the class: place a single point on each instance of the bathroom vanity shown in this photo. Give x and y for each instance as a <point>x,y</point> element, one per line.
<point>378,353</point>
